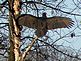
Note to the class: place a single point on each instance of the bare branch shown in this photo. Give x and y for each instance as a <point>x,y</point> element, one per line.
<point>32,2</point>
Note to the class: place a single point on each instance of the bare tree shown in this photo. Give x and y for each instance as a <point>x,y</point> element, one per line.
<point>20,43</point>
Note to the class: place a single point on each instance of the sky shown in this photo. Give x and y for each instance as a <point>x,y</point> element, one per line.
<point>74,42</point>
<point>67,6</point>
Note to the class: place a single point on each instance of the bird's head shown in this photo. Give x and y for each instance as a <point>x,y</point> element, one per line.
<point>44,15</point>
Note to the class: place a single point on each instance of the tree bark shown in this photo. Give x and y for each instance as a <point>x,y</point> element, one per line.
<point>14,54</point>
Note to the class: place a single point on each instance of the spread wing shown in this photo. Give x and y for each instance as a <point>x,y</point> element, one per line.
<point>44,24</point>
<point>59,22</point>
<point>28,20</point>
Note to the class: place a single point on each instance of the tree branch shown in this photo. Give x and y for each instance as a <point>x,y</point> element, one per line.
<point>29,48</point>
<point>32,2</point>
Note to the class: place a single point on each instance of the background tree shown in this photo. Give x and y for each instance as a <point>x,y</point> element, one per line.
<point>57,46</point>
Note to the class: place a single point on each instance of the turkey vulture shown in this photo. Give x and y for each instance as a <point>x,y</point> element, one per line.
<point>42,24</point>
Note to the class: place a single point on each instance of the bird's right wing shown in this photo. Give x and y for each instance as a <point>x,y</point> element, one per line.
<point>28,20</point>
<point>59,22</point>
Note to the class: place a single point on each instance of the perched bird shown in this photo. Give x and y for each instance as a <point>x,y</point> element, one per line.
<point>72,35</point>
<point>44,23</point>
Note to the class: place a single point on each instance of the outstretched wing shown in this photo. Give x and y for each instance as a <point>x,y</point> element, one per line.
<point>43,24</point>
<point>28,20</point>
<point>31,21</point>
<point>59,22</point>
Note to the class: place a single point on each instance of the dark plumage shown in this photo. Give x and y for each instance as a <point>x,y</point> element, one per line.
<point>42,24</point>
<point>72,35</point>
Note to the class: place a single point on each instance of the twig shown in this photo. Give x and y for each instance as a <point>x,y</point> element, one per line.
<point>29,47</point>
<point>31,2</point>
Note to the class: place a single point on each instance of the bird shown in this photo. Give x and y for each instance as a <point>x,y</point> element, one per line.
<point>43,24</point>
<point>72,35</point>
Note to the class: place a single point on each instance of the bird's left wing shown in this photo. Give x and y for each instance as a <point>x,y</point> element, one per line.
<point>28,20</point>
<point>59,22</point>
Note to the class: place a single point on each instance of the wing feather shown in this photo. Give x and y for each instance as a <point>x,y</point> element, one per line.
<point>28,20</point>
<point>44,24</point>
<point>59,22</point>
